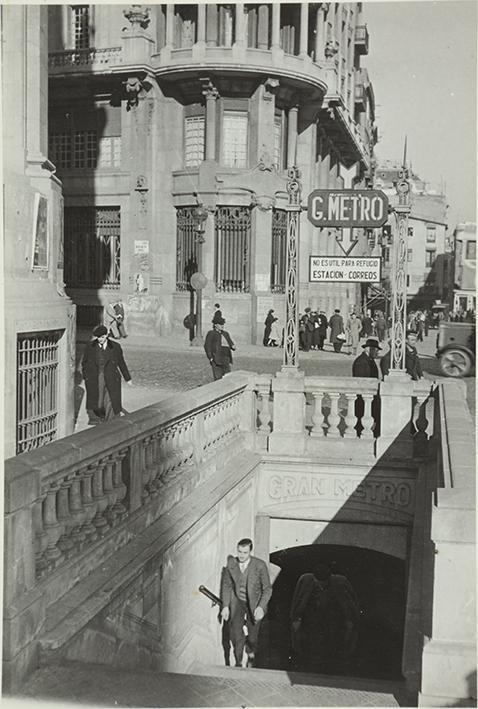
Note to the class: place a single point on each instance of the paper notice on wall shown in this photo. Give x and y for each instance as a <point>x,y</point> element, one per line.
<point>141,246</point>
<point>262,281</point>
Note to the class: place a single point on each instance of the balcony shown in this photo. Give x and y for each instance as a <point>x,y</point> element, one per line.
<point>73,61</point>
<point>361,39</point>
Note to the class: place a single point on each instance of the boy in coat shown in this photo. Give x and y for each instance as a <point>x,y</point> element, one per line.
<point>102,366</point>
<point>219,347</point>
<point>245,592</point>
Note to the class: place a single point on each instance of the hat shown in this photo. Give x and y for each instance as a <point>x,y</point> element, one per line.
<point>410,332</point>
<point>218,321</point>
<point>100,330</point>
<point>307,310</point>
<point>371,342</point>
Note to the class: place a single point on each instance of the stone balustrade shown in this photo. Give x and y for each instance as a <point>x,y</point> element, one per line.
<point>72,59</point>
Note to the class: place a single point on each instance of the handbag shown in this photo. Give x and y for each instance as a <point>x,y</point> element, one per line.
<point>341,336</point>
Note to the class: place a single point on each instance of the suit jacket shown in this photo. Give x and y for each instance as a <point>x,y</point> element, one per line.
<point>215,342</point>
<point>114,367</point>
<point>413,365</point>
<point>364,366</point>
<point>339,593</point>
<point>258,588</point>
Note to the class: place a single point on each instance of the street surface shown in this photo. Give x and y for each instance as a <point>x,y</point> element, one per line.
<point>162,367</point>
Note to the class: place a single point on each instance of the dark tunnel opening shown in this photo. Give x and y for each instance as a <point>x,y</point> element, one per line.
<point>379,581</point>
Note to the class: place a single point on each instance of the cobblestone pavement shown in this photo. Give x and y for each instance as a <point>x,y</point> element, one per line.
<point>104,686</point>
<point>161,367</point>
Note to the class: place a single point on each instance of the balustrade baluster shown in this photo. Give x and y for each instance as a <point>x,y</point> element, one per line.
<point>154,465</point>
<point>420,421</point>
<point>99,521</point>
<point>89,504</point>
<point>264,409</point>
<point>77,513</point>
<point>41,537</point>
<point>109,491</point>
<point>65,542</point>
<point>51,526</point>
<point>145,468</point>
<point>368,422</point>
<point>350,419</point>
<point>334,417</point>
<point>318,420</point>
<point>118,484</point>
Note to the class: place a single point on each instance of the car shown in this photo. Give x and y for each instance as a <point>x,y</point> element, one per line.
<point>456,348</point>
<point>438,313</point>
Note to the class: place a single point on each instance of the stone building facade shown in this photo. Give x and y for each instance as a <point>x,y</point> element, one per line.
<point>172,129</point>
<point>39,319</point>
<point>429,253</point>
<point>464,267</point>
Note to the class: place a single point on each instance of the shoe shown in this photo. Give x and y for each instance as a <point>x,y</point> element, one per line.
<point>250,659</point>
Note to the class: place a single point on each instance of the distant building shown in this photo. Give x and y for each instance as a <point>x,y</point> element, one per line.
<point>429,258</point>
<point>162,117</point>
<point>39,317</point>
<point>464,271</point>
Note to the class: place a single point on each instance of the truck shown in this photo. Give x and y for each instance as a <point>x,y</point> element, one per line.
<point>456,348</point>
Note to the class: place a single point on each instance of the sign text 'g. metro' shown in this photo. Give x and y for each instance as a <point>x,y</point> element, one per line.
<point>347,208</point>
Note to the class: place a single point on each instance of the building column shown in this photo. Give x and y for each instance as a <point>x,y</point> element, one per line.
<point>275,25</point>
<point>292,135</point>
<point>201,24</point>
<point>169,25</point>
<point>240,33</point>
<point>211,25</point>
<point>320,35</point>
<point>210,92</point>
<point>263,28</point>
<point>304,29</point>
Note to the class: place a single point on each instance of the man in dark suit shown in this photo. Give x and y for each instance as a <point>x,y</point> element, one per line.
<point>413,366</point>
<point>219,346</point>
<point>245,592</point>
<point>102,366</point>
<point>365,366</point>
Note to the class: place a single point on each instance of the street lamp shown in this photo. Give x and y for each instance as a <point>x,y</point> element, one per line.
<point>198,279</point>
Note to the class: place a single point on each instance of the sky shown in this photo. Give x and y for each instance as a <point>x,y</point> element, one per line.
<point>423,67</point>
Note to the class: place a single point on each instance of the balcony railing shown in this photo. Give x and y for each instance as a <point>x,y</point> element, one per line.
<point>84,58</point>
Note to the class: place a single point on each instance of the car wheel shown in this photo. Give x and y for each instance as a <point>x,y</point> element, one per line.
<point>455,363</point>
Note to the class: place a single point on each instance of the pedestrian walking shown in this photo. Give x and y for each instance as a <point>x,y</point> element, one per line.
<point>219,347</point>
<point>308,328</point>
<point>354,328</point>
<point>314,316</point>
<point>413,365</point>
<point>245,593</point>
<point>337,331</point>
<point>367,325</point>
<point>324,619</point>
<point>323,325</point>
<point>217,317</point>
<point>102,366</point>
<point>267,327</point>
<point>275,336</point>
<point>380,326</point>
<point>366,366</point>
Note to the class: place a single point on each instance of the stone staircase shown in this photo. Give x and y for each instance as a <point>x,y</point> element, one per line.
<point>206,686</point>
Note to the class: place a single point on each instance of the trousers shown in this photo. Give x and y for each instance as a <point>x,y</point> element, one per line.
<point>238,619</point>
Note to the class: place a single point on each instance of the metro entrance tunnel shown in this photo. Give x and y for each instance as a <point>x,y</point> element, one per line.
<point>379,583</point>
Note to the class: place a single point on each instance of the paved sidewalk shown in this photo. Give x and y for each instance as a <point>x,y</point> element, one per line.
<point>215,687</point>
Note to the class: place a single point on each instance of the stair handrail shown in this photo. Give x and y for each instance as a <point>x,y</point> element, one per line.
<point>216,601</point>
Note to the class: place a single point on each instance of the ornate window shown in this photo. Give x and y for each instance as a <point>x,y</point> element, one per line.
<point>186,247</point>
<point>37,387</point>
<point>194,128</point>
<point>234,138</point>
<point>232,249</point>
<point>279,250</point>
<point>92,247</point>
<point>80,26</point>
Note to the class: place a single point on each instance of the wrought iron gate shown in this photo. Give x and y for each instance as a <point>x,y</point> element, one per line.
<point>37,387</point>
<point>92,247</point>
<point>278,251</point>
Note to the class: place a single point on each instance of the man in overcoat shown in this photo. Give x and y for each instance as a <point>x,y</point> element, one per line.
<point>413,365</point>
<point>245,593</point>
<point>365,366</point>
<point>102,366</point>
<point>219,347</point>
<point>336,324</point>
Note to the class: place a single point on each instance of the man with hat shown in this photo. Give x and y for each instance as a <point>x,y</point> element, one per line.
<point>102,366</point>
<point>218,347</point>
<point>365,366</point>
<point>413,366</point>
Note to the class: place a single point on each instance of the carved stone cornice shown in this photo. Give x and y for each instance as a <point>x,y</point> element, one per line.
<point>138,16</point>
<point>208,89</point>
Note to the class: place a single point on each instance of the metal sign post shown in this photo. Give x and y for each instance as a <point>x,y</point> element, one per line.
<point>291,337</point>
<point>399,273</point>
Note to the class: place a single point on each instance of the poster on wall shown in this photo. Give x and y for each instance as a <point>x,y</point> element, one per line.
<point>40,232</point>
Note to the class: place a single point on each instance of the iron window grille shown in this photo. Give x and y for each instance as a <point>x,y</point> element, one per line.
<point>92,247</point>
<point>186,247</point>
<point>37,389</point>
<point>232,249</point>
<point>278,250</point>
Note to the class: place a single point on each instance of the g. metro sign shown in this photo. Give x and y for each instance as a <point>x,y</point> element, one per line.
<point>347,208</point>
